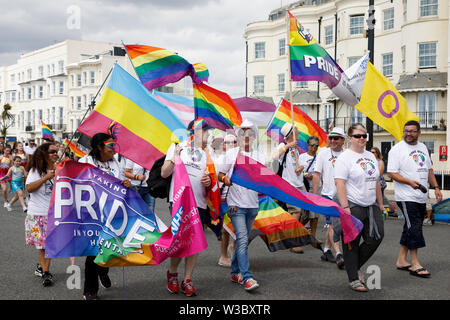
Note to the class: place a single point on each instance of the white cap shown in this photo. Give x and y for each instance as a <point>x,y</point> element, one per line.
<point>337,132</point>
<point>286,129</point>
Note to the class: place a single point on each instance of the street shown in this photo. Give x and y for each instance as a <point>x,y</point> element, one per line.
<point>281,275</point>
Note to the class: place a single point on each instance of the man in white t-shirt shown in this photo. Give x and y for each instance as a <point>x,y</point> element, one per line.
<point>324,172</point>
<point>242,204</point>
<point>194,157</point>
<point>409,166</point>
<point>30,148</point>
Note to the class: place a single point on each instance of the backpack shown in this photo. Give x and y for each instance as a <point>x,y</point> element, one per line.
<point>158,186</point>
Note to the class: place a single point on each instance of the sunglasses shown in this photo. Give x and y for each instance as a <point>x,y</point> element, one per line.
<point>314,145</point>
<point>335,138</point>
<point>52,151</point>
<point>359,136</point>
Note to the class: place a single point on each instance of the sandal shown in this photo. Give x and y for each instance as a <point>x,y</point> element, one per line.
<point>358,286</point>
<point>420,275</point>
<point>404,268</point>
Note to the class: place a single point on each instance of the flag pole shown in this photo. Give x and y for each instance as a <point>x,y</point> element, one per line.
<point>290,79</point>
<point>129,58</point>
<point>91,105</point>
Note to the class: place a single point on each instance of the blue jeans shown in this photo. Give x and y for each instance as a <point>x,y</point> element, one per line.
<point>242,220</point>
<point>146,196</point>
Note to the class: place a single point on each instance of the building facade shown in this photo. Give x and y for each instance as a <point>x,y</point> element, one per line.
<point>412,50</point>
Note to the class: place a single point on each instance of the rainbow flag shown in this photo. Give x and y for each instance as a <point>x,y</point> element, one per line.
<point>157,67</point>
<point>202,71</point>
<point>310,62</point>
<point>73,148</point>
<point>182,107</point>
<point>305,125</point>
<point>277,228</point>
<point>216,107</point>
<point>46,132</point>
<point>258,177</point>
<point>143,127</point>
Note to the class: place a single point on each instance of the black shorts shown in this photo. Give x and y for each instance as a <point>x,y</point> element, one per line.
<point>414,213</point>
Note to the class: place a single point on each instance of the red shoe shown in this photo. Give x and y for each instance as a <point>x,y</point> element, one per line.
<point>172,282</point>
<point>188,289</point>
<point>251,284</point>
<point>237,278</point>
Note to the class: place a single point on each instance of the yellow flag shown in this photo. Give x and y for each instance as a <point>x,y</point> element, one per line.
<point>383,104</point>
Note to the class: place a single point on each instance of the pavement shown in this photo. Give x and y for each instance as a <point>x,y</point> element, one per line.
<point>282,275</point>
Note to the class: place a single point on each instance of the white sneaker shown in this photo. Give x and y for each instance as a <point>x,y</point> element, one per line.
<point>5,204</point>
<point>8,207</point>
<point>25,209</point>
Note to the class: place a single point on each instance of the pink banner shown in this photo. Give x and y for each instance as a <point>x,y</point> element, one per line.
<point>185,235</point>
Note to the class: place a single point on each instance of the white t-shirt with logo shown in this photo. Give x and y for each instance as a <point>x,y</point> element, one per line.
<point>137,170</point>
<point>40,199</point>
<point>325,162</point>
<point>411,162</point>
<point>239,196</point>
<point>289,167</point>
<point>195,161</point>
<point>362,173</point>
<point>111,167</point>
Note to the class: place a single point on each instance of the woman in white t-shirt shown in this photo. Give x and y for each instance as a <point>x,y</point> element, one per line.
<point>101,156</point>
<point>356,175</point>
<point>39,184</point>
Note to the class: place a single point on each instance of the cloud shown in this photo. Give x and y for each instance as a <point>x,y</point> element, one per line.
<point>198,30</point>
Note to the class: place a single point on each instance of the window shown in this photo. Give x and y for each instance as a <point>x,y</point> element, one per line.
<point>427,55</point>
<point>54,87</point>
<point>72,80</point>
<point>258,83</point>
<point>53,68</point>
<point>79,102</point>
<point>429,145</point>
<point>327,111</point>
<point>40,115</point>
<point>29,93</point>
<point>28,118</point>
<point>71,125</point>
<point>352,61</point>
<point>92,77</point>
<point>53,115</point>
<point>61,87</point>
<point>405,11</point>
<point>428,8</point>
<point>301,84</point>
<point>13,96</point>
<point>29,74</point>
<point>387,64</point>
<point>85,78</point>
<point>388,22</point>
<point>427,109</point>
<point>41,92</point>
<point>260,50</point>
<point>356,24</point>
<point>282,47</point>
<point>357,116</point>
<point>72,102</point>
<point>403,58</point>
<point>61,116</point>
<point>328,35</point>
<point>281,86</point>
<point>79,80</point>
<point>41,71</point>
<point>12,78</point>
<point>61,66</point>
<point>84,101</point>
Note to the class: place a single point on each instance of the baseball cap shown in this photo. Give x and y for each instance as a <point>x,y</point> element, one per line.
<point>337,132</point>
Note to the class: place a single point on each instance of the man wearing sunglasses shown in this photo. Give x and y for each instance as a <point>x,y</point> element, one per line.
<point>410,167</point>
<point>324,174</point>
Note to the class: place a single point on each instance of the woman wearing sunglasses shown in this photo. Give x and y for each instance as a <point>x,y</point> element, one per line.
<point>357,179</point>
<point>101,156</point>
<point>39,184</point>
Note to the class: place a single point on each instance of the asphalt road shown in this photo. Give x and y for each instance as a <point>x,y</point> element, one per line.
<point>282,275</point>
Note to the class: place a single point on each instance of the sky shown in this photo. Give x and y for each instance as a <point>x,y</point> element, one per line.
<point>209,31</point>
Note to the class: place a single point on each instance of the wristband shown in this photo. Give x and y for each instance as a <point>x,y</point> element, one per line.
<point>346,207</point>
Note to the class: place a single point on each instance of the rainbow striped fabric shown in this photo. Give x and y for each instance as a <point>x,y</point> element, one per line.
<point>46,132</point>
<point>182,107</point>
<point>305,125</point>
<point>257,177</point>
<point>157,67</point>
<point>216,107</point>
<point>73,148</point>
<point>202,71</point>
<point>144,127</point>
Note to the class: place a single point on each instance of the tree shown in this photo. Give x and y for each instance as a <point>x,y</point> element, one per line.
<point>6,120</point>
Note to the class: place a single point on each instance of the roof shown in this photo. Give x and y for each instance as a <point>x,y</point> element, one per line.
<point>303,97</point>
<point>422,81</point>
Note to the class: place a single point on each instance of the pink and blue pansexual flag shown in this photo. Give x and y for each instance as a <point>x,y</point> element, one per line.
<point>255,176</point>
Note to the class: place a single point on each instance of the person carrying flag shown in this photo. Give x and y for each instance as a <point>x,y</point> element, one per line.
<point>195,158</point>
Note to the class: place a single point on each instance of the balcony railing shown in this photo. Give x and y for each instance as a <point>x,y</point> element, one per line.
<point>428,121</point>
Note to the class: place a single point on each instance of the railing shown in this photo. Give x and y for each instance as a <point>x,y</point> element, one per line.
<point>29,128</point>
<point>428,120</point>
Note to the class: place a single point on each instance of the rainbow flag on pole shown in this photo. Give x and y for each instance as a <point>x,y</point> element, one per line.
<point>157,67</point>
<point>310,62</point>
<point>305,125</point>
<point>216,107</point>
<point>46,132</point>
<point>202,71</point>
<point>143,127</point>
<point>73,148</point>
<point>257,177</point>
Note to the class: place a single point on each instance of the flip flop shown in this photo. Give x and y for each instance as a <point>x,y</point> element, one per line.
<point>296,251</point>
<point>405,268</point>
<point>417,274</point>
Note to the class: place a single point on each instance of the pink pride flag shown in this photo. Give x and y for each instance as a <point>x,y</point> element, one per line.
<point>185,235</point>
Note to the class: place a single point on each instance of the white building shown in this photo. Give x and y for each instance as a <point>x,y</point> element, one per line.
<point>412,49</point>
